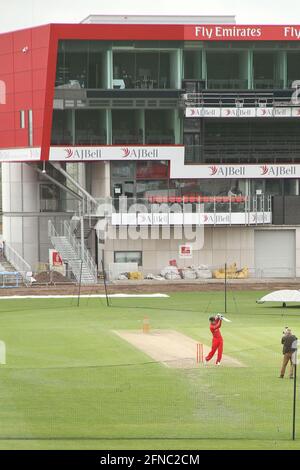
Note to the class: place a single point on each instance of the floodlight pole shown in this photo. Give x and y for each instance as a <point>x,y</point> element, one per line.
<point>79,287</point>
<point>105,286</point>
<point>295,397</point>
<point>225,287</point>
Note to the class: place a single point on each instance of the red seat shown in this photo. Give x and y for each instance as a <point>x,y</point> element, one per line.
<point>172,199</point>
<point>193,199</point>
<point>179,199</point>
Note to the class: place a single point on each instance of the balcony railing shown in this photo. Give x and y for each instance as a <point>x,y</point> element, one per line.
<point>257,98</point>
<point>230,84</point>
<point>279,151</point>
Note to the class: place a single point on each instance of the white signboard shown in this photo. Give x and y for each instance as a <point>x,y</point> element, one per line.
<point>280,112</point>
<point>175,154</point>
<point>110,152</point>
<point>185,251</point>
<point>20,154</point>
<point>218,218</point>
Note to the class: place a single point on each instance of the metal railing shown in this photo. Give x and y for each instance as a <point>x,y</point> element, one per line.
<point>16,260</point>
<point>82,253</point>
<point>257,209</point>
<point>244,98</point>
<point>276,150</point>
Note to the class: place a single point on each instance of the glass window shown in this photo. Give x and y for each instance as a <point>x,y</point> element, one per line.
<point>49,197</point>
<point>90,127</point>
<point>293,67</point>
<point>72,65</point>
<point>223,187</point>
<point>159,127</point>
<point>226,70</point>
<point>62,127</point>
<point>126,127</point>
<point>128,257</point>
<point>266,70</point>
<point>183,187</point>
<point>141,69</point>
<point>121,169</point>
<point>152,170</point>
<point>273,187</point>
<point>147,188</point>
<point>192,64</point>
<point>81,64</point>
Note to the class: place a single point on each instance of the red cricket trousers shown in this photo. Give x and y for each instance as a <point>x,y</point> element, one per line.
<point>217,344</point>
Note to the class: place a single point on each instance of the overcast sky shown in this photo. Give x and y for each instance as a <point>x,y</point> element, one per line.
<point>16,14</point>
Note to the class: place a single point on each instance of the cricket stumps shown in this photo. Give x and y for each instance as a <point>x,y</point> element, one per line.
<point>199,353</point>
<point>146,325</point>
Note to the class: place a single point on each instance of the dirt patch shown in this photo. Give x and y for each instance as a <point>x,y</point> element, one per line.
<point>50,277</point>
<point>171,348</point>
<point>143,287</point>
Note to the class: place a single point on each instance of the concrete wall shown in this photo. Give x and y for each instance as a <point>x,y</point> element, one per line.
<point>20,195</point>
<point>25,229</point>
<point>220,245</point>
<point>100,179</point>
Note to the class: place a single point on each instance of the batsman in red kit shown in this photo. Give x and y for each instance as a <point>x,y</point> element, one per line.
<point>217,342</point>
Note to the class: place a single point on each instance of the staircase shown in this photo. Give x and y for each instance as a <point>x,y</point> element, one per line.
<point>82,267</point>
<point>6,266</point>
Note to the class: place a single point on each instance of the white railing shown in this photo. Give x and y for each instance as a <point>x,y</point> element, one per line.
<point>82,254</point>
<point>16,260</point>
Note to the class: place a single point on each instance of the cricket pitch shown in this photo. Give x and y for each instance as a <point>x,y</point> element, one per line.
<point>171,348</point>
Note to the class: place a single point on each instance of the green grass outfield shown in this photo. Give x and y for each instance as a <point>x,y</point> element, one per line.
<point>71,383</point>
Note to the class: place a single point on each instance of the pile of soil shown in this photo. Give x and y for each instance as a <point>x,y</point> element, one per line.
<point>46,277</point>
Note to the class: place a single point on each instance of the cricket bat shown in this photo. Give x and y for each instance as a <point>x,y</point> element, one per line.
<point>226,319</point>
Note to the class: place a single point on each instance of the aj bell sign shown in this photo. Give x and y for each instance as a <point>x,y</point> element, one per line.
<point>113,153</point>
<point>253,171</point>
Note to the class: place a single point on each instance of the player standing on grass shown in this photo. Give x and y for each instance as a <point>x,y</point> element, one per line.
<point>217,342</point>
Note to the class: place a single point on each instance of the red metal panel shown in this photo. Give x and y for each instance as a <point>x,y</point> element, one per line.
<point>39,81</point>
<point>21,39</point>
<point>23,100</point>
<point>6,43</point>
<point>7,63</point>
<point>7,121</point>
<point>40,36</point>
<point>7,139</point>
<point>22,61</point>
<point>9,106</point>
<point>49,96</point>
<point>9,84</point>
<point>119,32</point>
<point>39,58</point>
<point>23,81</point>
<point>21,137</point>
<point>37,136</point>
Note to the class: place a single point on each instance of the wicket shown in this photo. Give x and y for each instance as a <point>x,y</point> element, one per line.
<point>199,354</point>
<point>146,325</point>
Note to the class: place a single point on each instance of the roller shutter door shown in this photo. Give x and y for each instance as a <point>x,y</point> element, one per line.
<point>275,254</point>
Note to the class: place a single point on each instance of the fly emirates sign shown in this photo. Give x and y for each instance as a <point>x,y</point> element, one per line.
<point>242,33</point>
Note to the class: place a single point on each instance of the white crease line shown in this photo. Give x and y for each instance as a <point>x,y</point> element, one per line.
<point>84,296</point>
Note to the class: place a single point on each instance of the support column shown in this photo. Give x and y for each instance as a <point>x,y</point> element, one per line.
<point>20,195</point>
